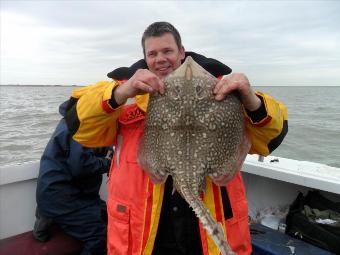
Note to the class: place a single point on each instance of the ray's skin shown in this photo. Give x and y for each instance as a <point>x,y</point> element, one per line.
<point>189,135</point>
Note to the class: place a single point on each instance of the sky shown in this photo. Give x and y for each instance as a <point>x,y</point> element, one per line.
<point>275,43</point>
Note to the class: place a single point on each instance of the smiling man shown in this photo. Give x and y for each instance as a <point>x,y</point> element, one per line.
<point>163,54</point>
<point>146,218</point>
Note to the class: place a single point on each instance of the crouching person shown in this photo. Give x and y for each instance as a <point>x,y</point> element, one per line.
<point>67,194</point>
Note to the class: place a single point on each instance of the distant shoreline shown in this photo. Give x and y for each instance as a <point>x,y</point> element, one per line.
<point>27,85</point>
<point>51,85</point>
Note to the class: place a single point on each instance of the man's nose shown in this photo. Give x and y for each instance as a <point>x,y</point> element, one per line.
<point>160,57</point>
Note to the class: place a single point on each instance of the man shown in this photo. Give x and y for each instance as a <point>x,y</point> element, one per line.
<point>145,218</point>
<point>67,194</point>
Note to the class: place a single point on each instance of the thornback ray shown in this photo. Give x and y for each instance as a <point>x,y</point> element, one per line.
<point>191,136</point>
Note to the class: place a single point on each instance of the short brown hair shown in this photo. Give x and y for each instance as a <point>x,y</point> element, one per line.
<point>158,29</point>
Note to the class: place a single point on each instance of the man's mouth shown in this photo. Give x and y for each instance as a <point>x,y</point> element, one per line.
<point>163,69</point>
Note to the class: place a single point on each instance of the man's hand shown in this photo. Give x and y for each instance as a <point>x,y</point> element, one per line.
<point>239,82</point>
<point>142,82</point>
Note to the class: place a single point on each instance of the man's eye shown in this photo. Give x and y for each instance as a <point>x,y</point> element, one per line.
<point>151,54</point>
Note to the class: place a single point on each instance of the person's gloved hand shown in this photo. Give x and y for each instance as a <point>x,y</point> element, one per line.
<point>109,154</point>
<point>104,155</point>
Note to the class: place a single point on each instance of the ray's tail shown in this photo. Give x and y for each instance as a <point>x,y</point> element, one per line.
<point>214,229</point>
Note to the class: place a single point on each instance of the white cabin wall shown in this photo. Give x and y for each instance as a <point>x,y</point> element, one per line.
<point>17,197</point>
<point>265,192</point>
<point>17,207</point>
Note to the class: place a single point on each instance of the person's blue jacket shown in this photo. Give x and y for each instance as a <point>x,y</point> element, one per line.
<point>70,175</point>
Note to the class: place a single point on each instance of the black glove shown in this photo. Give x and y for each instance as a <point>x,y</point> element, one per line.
<point>106,164</point>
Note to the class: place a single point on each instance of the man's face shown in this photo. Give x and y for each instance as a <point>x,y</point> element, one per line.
<point>162,54</point>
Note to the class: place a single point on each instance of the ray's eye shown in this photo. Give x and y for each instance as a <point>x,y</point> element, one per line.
<point>199,92</point>
<point>178,89</point>
<point>176,92</point>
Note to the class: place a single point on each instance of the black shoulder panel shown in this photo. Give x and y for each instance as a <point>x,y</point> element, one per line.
<point>213,66</point>
<point>278,140</point>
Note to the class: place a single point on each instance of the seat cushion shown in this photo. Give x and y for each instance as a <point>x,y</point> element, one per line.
<point>25,244</point>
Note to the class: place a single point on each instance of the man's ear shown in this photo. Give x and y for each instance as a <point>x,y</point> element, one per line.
<point>182,53</point>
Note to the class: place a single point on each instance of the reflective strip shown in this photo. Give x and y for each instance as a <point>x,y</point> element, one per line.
<point>147,215</point>
<point>118,149</point>
<point>209,202</point>
<point>158,192</point>
<point>219,207</point>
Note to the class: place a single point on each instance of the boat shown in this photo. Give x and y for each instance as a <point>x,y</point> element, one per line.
<point>271,182</point>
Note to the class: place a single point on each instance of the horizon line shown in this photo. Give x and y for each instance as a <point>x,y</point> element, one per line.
<point>76,85</point>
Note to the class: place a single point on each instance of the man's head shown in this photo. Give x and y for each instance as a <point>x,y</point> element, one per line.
<point>162,48</point>
<point>158,29</point>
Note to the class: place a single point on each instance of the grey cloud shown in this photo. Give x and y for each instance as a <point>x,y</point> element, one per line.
<point>285,40</point>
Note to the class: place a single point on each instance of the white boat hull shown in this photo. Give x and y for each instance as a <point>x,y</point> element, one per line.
<point>268,184</point>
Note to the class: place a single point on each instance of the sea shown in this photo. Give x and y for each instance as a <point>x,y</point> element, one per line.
<point>29,115</point>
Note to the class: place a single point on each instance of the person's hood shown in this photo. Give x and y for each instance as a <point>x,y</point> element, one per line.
<point>63,107</point>
<point>67,105</point>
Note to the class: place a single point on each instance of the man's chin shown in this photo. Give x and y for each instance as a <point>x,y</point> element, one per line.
<point>163,74</point>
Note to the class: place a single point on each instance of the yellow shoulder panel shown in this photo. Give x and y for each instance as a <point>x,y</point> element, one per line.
<point>97,127</point>
<point>271,127</point>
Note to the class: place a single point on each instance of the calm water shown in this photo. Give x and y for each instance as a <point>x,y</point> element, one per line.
<point>29,115</point>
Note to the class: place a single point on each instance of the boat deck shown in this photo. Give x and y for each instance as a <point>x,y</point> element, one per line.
<point>25,244</point>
